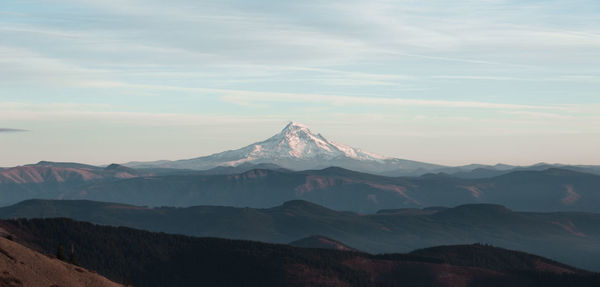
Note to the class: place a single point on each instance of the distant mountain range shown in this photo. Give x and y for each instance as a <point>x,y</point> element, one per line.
<point>569,237</point>
<point>297,148</point>
<point>58,172</point>
<point>144,258</point>
<point>546,190</point>
<point>301,189</point>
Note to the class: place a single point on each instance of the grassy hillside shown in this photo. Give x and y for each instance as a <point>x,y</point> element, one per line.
<point>23,267</point>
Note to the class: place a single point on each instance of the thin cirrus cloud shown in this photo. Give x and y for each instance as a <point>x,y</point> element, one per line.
<point>9,130</point>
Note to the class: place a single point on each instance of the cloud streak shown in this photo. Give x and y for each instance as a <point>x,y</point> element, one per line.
<point>240,97</point>
<point>9,130</point>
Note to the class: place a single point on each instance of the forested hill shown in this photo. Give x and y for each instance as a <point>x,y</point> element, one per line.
<point>144,258</point>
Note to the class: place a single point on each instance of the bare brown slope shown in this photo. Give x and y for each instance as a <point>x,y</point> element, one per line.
<point>42,174</point>
<point>21,266</point>
<point>53,172</point>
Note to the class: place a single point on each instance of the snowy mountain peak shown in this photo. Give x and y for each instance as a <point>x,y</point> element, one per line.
<point>292,126</point>
<point>296,130</point>
<point>297,142</point>
<point>297,147</point>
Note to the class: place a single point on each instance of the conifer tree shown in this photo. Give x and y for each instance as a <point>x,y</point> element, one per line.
<point>72,258</point>
<point>60,252</point>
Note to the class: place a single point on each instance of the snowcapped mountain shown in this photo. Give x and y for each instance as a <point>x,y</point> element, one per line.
<point>297,148</point>
<point>295,141</point>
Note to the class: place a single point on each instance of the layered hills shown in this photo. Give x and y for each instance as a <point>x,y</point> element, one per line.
<point>573,238</point>
<point>327,202</point>
<point>299,164</point>
<point>157,259</point>
<point>546,190</point>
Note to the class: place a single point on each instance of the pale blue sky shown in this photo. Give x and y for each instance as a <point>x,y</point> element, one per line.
<point>476,81</point>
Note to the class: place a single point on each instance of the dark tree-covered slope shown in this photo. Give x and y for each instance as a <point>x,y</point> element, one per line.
<point>157,259</point>
<point>573,238</point>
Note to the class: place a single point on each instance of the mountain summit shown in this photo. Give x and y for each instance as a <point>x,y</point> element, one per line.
<point>297,148</point>
<point>297,141</point>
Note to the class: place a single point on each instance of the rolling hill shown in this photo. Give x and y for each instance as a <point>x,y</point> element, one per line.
<point>245,185</point>
<point>318,241</point>
<point>157,259</point>
<point>547,190</point>
<point>573,238</point>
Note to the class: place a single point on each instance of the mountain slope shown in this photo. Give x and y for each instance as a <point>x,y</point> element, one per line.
<point>50,172</point>
<point>297,148</point>
<point>567,237</point>
<point>156,259</point>
<point>22,266</point>
<point>317,241</point>
<point>498,259</point>
<point>486,171</point>
<point>548,190</point>
<point>55,180</point>
<point>337,188</point>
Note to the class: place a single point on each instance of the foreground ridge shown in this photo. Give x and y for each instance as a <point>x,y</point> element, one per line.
<point>158,259</point>
<point>22,266</point>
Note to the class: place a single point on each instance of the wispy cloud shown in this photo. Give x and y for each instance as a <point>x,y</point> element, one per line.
<point>237,96</point>
<point>250,98</point>
<point>9,130</point>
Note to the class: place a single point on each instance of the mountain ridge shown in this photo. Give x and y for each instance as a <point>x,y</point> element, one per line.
<point>334,187</point>
<point>22,266</point>
<point>158,259</point>
<point>568,237</point>
<point>296,147</point>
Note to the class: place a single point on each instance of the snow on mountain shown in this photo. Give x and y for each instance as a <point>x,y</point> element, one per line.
<point>296,141</point>
<point>296,147</point>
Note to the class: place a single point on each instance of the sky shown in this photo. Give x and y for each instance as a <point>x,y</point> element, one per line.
<point>485,81</point>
